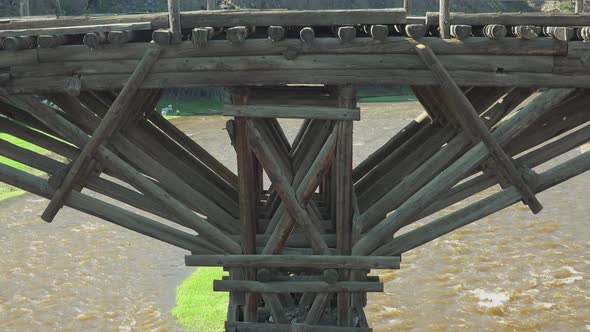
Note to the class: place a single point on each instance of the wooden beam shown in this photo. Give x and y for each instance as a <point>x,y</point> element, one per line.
<point>471,122</point>
<point>511,19</point>
<point>317,308</point>
<point>453,174</point>
<point>76,30</point>
<point>295,287</point>
<point>255,327</point>
<point>292,112</point>
<point>103,210</point>
<point>579,6</point>
<point>483,208</point>
<point>107,128</point>
<point>94,40</point>
<point>291,261</point>
<point>276,33</point>
<point>445,19</point>
<point>267,156</point>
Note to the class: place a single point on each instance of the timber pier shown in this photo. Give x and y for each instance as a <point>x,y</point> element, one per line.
<point>503,92</point>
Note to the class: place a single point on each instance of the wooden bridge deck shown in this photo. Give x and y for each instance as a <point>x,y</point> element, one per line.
<point>298,248</point>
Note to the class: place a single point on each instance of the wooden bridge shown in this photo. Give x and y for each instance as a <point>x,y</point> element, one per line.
<point>503,93</point>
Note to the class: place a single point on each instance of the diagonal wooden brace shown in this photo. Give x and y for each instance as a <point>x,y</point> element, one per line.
<point>266,156</point>
<point>110,124</point>
<point>474,126</point>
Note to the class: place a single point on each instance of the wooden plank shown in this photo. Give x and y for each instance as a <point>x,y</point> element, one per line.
<point>93,40</point>
<point>538,19</point>
<point>76,30</point>
<point>291,261</point>
<point>295,287</point>
<point>471,122</point>
<point>292,112</point>
<point>106,129</point>
<point>276,308</point>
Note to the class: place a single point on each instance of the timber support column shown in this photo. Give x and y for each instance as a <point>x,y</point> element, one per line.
<point>343,187</point>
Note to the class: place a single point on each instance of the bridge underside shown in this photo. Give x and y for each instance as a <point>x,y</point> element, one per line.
<point>298,228</point>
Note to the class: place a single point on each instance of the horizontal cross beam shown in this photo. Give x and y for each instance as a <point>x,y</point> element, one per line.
<point>293,112</point>
<point>293,261</point>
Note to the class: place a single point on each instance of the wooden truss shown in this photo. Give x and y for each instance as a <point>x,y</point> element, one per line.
<point>299,247</point>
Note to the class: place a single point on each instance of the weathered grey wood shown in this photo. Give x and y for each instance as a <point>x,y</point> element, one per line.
<point>563,34</point>
<point>106,129</point>
<point>293,112</point>
<point>94,40</point>
<point>307,35</point>
<point>495,31</point>
<point>305,188</point>
<point>528,32</point>
<point>211,4</point>
<point>317,308</point>
<point>295,287</point>
<point>288,195</point>
<point>75,30</point>
<point>483,208</point>
<point>18,43</point>
<point>51,41</point>
<point>453,174</point>
<point>379,32</point>
<point>347,34</point>
<point>538,19</point>
<point>579,8</point>
<point>471,122</point>
<point>217,48</point>
<point>254,327</point>
<point>461,32</point>
<point>185,216</point>
<point>195,149</point>
<point>276,33</point>
<point>237,35</point>
<point>201,36</point>
<point>121,37</point>
<point>274,65</point>
<point>276,308</point>
<point>162,37</point>
<point>408,7</point>
<point>416,31</point>
<point>103,210</point>
<point>444,22</point>
<point>291,261</point>
<point>174,21</point>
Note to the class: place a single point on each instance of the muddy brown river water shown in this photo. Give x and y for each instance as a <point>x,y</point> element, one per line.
<point>512,271</point>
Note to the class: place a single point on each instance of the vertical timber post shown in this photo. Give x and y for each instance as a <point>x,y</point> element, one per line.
<point>579,6</point>
<point>249,186</point>
<point>343,186</point>
<point>211,4</point>
<point>445,19</point>
<point>174,17</point>
<point>408,7</point>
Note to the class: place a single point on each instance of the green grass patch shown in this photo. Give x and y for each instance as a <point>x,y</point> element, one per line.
<point>191,106</point>
<point>7,191</point>
<point>388,99</point>
<point>198,307</point>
